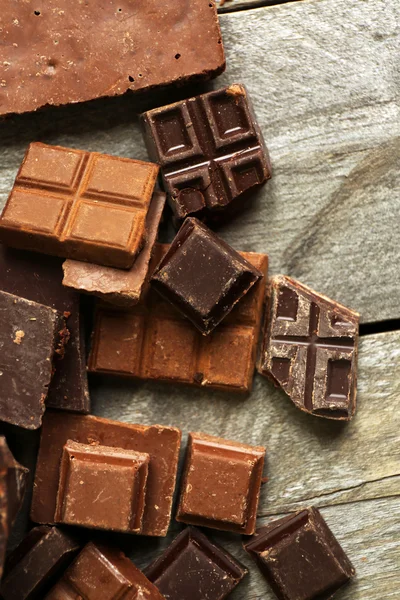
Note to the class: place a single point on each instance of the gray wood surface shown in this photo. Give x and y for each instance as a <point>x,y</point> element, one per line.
<point>225,6</point>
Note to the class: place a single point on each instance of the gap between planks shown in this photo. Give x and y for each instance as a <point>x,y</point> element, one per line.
<point>229,6</point>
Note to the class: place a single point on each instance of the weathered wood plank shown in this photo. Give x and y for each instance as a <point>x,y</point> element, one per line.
<point>225,6</point>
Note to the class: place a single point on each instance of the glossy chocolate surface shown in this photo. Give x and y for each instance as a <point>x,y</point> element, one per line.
<point>81,205</point>
<point>300,557</point>
<point>210,149</point>
<point>310,349</point>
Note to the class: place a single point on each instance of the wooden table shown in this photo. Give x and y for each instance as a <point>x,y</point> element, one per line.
<point>324,78</point>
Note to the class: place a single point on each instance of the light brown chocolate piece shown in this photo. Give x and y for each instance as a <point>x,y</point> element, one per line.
<point>102,487</point>
<point>116,286</point>
<point>160,443</point>
<point>221,482</point>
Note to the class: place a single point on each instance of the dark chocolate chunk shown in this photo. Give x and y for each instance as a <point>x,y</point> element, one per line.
<point>221,484</point>
<point>193,568</point>
<point>202,276</point>
<point>38,277</point>
<point>37,563</point>
<point>310,349</point>
<point>211,151</point>
<point>30,334</point>
<point>300,557</point>
<point>81,205</point>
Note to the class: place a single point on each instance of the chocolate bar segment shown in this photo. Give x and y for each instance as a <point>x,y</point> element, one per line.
<point>153,341</point>
<point>211,151</point>
<point>202,276</point>
<point>77,204</point>
<point>310,349</point>
<point>300,558</point>
<point>221,484</point>
<point>160,443</point>
<point>193,567</point>
<point>116,286</point>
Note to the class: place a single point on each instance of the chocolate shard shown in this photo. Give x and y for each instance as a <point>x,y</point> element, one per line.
<point>51,56</point>
<point>81,205</point>
<point>221,484</point>
<point>37,563</point>
<point>310,349</point>
<point>30,334</point>
<point>123,288</point>
<point>12,489</point>
<point>160,443</point>
<point>193,567</point>
<point>153,341</point>
<point>202,276</point>
<point>211,151</point>
<point>300,557</point>
<point>38,277</point>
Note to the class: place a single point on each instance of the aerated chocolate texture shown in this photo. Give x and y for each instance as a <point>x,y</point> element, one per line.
<point>210,149</point>
<point>221,484</point>
<point>77,204</point>
<point>153,341</point>
<point>300,557</point>
<point>310,349</point>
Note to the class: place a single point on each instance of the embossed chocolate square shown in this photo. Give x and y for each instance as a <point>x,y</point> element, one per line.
<point>102,487</point>
<point>211,151</point>
<point>310,349</point>
<point>300,557</point>
<point>81,205</point>
<point>221,484</point>
<point>202,276</point>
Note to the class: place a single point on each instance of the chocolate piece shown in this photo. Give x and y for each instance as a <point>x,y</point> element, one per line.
<point>77,204</point>
<point>12,488</point>
<point>202,276</point>
<point>193,567</point>
<point>161,443</point>
<point>310,349</point>
<point>221,484</point>
<point>102,487</point>
<point>37,563</point>
<point>30,333</point>
<point>300,557</point>
<point>101,573</point>
<point>54,53</point>
<point>211,151</point>
<point>114,285</point>
<point>154,341</point>
<point>38,277</point>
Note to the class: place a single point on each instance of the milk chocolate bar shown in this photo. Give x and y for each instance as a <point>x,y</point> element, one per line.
<point>81,205</point>
<point>310,349</point>
<point>211,151</point>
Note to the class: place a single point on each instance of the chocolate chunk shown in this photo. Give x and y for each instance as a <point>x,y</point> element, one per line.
<point>194,568</point>
<point>115,285</point>
<point>102,487</point>
<point>160,443</point>
<point>30,333</point>
<point>56,53</point>
<point>37,563</point>
<point>81,205</point>
<point>38,277</point>
<point>202,276</point>
<point>300,557</point>
<point>12,488</point>
<point>154,341</point>
<point>211,151</point>
<point>310,349</point>
<point>221,484</point>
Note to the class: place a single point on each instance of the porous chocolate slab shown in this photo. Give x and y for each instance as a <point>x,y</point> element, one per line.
<point>30,334</point>
<point>160,443</point>
<point>211,151</point>
<point>38,277</point>
<point>310,349</point>
<point>300,557</point>
<point>77,204</point>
